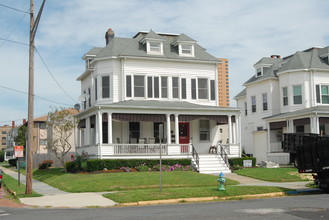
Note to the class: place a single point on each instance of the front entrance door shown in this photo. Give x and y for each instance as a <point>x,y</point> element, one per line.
<point>184,132</point>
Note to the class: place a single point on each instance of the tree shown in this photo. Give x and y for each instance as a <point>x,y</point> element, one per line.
<point>20,139</point>
<point>61,124</point>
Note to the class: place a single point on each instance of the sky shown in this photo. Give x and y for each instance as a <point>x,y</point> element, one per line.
<point>243,31</point>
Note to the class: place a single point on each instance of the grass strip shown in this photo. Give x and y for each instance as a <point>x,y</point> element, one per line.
<point>273,174</point>
<point>12,184</point>
<point>149,195</point>
<point>102,182</point>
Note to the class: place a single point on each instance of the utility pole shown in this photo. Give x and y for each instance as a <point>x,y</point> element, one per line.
<point>29,159</point>
<point>29,145</point>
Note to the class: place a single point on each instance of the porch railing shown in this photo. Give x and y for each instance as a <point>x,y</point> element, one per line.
<point>223,153</point>
<point>195,156</point>
<point>139,149</point>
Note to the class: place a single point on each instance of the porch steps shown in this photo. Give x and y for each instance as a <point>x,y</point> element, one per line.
<point>212,164</point>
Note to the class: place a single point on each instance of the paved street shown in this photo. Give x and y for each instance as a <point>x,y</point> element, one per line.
<point>295,207</point>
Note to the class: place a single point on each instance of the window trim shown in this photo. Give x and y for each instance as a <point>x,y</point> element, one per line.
<point>253,104</point>
<point>320,96</point>
<point>141,87</point>
<point>202,90</point>
<point>108,87</point>
<point>152,49</point>
<point>285,97</point>
<point>186,49</point>
<point>265,101</point>
<point>164,88</point>
<point>175,88</point>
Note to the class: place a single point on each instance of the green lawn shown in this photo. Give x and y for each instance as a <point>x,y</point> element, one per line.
<point>102,182</point>
<point>148,195</point>
<point>13,185</point>
<point>273,174</point>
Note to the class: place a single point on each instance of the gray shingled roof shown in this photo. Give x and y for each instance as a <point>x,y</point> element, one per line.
<point>132,47</point>
<point>241,94</point>
<point>309,59</point>
<point>306,111</point>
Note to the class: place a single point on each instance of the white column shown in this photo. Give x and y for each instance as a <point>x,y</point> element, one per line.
<point>314,122</point>
<point>109,121</point>
<point>176,129</point>
<point>234,132</point>
<point>230,129</point>
<point>290,126</point>
<point>87,135</point>
<point>168,128</point>
<point>268,138</point>
<point>99,128</point>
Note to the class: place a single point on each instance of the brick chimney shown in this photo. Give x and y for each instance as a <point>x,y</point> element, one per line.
<point>276,56</point>
<point>24,121</point>
<point>109,35</point>
<point>13,124</point>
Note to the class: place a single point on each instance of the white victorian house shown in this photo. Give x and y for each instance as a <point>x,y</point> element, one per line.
<point>152,88</point>
<point>285,95</point>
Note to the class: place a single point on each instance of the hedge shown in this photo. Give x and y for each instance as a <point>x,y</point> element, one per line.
<point>239,161</point>
<point>12,162</point>
<point>113,164</point>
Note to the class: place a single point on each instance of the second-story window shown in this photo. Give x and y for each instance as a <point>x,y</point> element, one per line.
<point>297,91</point>
<point>175,87</point>
<point>193,88</point>
<point>253,103</point>
<point>212,90</point>
<point>202,88</point>
<point>95,88</point>
<point>156,87</point>
<point>164,87</point>
<point>128,86</point>
<point>245,108</point>
<point>285,96</point>
<point>139,86</point>
<point>183,88</point>
<point>264,101</point>
<point>149,87</point>
<point>322,95</point>
<point>105,87</point>
<point>89,97</point>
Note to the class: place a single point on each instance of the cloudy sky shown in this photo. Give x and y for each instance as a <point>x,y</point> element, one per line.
<point>243,31</point>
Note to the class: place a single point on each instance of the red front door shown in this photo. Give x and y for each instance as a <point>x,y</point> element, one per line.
<point>184,132</point>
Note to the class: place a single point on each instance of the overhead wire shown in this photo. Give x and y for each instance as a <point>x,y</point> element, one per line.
<point>6,6</point>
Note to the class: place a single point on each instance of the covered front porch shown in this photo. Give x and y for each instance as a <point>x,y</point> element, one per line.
<point>120,131</point>
<point>312,120</point>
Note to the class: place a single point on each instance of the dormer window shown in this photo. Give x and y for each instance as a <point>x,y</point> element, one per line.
<point>186,50</point>
<point>155,47</point>
<point>259,72</point>
<point>89,66</point>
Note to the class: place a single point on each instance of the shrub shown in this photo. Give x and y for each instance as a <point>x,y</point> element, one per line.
<point>78,163</point>
<point>45,164</point>
<point>143,168</point>
<point>113,164</point>
<point>12,162</point>
<point>2,156</point>
<point>237,163</point>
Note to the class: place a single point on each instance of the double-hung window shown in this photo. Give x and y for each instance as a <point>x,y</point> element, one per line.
<point>156,87</point>
<point>193,88</point>
<point>297,92</point>
<point>212,90</point>
<point>155,47</point>
<point>183,86</point>
<point>202,88</point>
<point>186,49</point>
<point>285,96</point>
<point>164,87</point>
<point>175,87</point>
<point>253,103</point>
<point>265,106</point>
<point>322,94</point>
<point>105,87</point>
<point>204,130</point>
<point>139,86</point>
<point>128,86</point>
<point>149,87</point>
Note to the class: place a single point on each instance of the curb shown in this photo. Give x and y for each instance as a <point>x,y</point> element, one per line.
<point>202,199</point>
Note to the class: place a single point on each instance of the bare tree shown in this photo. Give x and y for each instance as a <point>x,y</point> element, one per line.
<point>61,124</point>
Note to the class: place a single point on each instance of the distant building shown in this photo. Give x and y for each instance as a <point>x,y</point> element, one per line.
<point>223,83</point>
<point>3,135</point>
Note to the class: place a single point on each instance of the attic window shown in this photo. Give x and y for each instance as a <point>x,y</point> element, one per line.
<point>154,47</point>
<point>186,50</point>
<point>259,72</point>
<point>88,63</point>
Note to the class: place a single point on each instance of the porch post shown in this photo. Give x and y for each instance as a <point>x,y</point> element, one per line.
<point>87,135</point>
<point>109,120</point>
<point>176,129</point>
<point>290,126</point>
<point>315,124</point>
<point>229,129</point>
<point>234,131</point>
<point>168,128</point>
<point>99,127</point>
<point>268,137</point>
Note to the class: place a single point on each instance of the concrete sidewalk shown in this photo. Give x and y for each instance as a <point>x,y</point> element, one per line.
<point>53,197</point>
<point>247,181</point>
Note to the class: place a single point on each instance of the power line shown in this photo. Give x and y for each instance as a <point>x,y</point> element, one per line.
<point>12,41</point>
<point>34,95</point>
<point>12,31</point>
<point>27,12</point>
<point>53,76</point>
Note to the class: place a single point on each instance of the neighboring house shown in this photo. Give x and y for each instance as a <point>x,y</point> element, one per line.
<point>3,136</point>
<point>289,94</point>
<point>153,87</point>
<point>11,134</point>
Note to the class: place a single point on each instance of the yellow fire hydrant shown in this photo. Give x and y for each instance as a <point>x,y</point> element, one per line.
<point>221,181</point>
